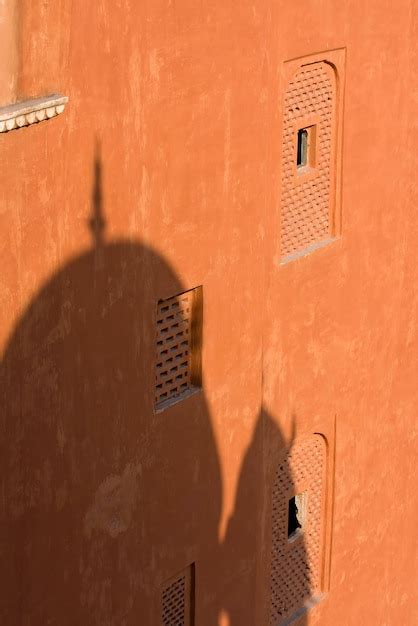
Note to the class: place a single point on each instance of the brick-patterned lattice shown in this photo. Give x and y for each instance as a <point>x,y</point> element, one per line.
<point>173,376</point>
<point>296,565</point>
<point>306,203</point>
<point>176,600</point>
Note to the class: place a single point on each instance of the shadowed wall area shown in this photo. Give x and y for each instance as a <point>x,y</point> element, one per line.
<point>103,499</point>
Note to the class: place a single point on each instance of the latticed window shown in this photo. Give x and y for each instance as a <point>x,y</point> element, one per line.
<point>297,525</point>
<point>308,143</point>
<point>178,347</point>
<point>177,599</point>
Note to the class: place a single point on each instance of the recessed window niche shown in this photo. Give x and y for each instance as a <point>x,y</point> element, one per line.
<point>311,154</point>
<point>177,599</point>
<point>178,347</point>
<point>298,522</point>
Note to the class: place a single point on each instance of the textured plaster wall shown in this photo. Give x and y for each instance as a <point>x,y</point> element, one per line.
<point>8,50</point>
<point>174,132</point>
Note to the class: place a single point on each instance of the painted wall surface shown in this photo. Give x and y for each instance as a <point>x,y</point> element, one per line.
<point>162,174</point>
<point>9,37</point>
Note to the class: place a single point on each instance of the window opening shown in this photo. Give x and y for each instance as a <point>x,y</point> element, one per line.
<point>302,152</point>
<point>296,516</point>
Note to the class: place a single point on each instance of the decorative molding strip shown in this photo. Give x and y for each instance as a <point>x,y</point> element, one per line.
<point>31,111</point>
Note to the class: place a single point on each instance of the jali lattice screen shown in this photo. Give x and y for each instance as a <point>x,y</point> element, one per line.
<point>306,207</point>
<point>177,599</point>
<point>178,346</point>
<point>296,563</point>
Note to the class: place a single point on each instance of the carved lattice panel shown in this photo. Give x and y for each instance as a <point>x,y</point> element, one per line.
<point>177,599</point>
<point>305,209</point>
<point>177,346</point>
<point>296,563</point>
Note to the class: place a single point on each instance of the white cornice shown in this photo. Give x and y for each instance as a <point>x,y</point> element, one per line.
<point>32,111</point>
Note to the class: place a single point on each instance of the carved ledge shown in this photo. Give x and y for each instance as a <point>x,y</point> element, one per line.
<point>31,112</point>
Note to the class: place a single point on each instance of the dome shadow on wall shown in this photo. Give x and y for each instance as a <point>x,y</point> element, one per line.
<point>102,498</point>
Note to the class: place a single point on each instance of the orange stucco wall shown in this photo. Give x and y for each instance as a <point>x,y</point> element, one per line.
<point>174,133</point>
<point>9,37</point>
